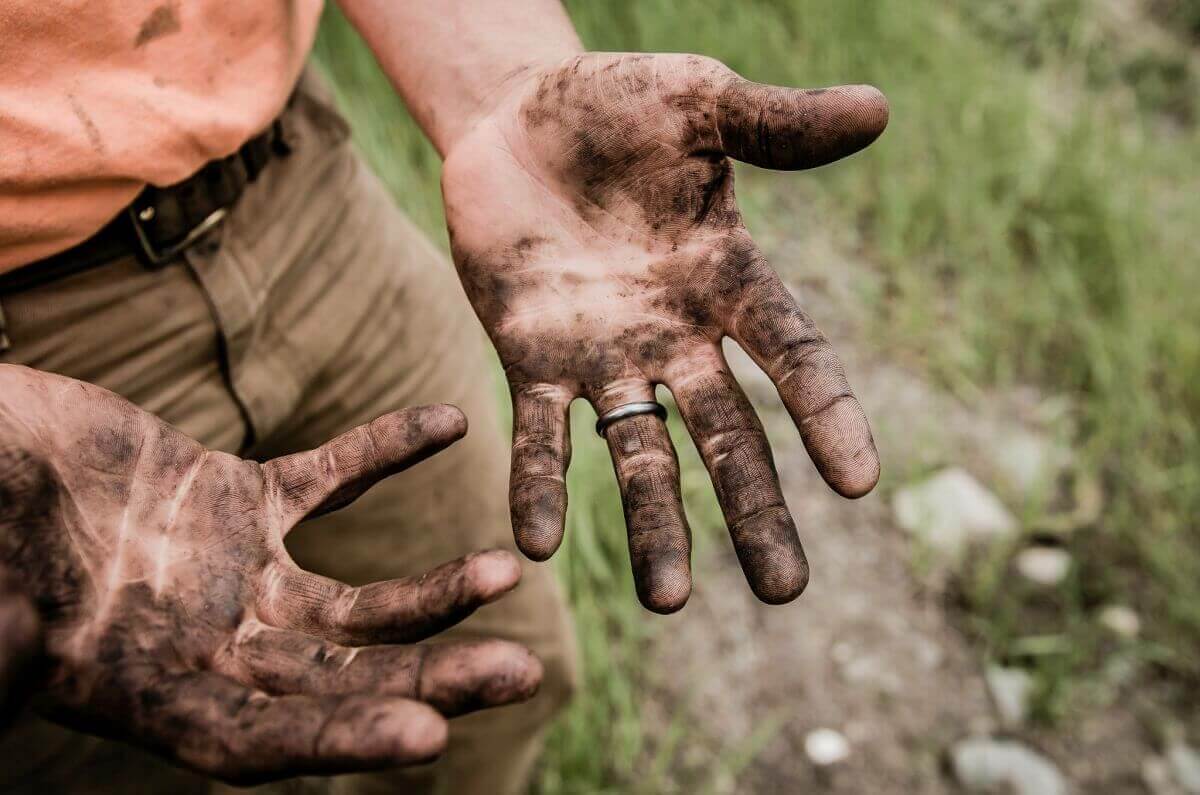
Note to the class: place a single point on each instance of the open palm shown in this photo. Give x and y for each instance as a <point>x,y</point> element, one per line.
<point>594,225</point>
<point>174,617</point>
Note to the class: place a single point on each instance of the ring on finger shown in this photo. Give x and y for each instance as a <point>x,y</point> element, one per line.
<point>630,410</point>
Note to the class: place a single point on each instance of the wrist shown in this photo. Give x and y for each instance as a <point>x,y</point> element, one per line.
<point>497,94</point>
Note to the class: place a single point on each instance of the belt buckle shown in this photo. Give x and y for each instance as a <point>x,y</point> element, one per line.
<point>158,257</point>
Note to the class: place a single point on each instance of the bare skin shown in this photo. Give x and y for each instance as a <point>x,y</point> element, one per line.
<point>594,226</point>
<point>174,618</point>
<point>593,222</point>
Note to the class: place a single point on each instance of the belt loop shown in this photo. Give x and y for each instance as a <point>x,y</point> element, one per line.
<point>5,343</point>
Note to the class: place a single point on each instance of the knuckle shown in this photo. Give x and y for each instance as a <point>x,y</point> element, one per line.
<point>654,520</point>
<point>536,457</point>
<point>749,517</point>
<point>704,71</point>
<point>722,443</point>
<point>808,356</point>
<point>536,438</point>
<point>651,488</point>
<point>647,460</point>
<point>336,620</point>
<point>535,488</point>
<point>822,409</point>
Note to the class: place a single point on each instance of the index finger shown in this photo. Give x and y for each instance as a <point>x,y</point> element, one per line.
<point>241,735</point>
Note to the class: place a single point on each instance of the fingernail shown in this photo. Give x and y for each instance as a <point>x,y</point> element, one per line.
<point>494,572</point>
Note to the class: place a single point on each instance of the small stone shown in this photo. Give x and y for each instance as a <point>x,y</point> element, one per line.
<point>1185,767</point>
<point>984,765</point>
<point>1120,669</point>
<point>1121,621</point>
<point>928,653</point>
<point>1010,689</point>
<point>1156,775</point>
<point>826,747</point>
<point>951,510</point>
<point>1044,565</point>
<point>869,671</point>
<point>1027,463</point>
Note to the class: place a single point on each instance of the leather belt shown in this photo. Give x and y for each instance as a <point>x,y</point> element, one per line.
<point>161,222</point>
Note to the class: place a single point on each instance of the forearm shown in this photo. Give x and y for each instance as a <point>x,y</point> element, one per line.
<point>449,59</point>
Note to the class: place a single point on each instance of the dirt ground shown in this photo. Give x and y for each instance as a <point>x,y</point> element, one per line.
<point>869,650</point>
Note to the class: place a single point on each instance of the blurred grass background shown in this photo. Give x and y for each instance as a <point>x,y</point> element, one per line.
<point>1032,212</point>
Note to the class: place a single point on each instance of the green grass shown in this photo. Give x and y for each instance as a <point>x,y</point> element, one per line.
<point>1031,211</point>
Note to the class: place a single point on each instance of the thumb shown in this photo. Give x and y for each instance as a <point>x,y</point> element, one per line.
<point>338,472</point>
<point>794,128</point>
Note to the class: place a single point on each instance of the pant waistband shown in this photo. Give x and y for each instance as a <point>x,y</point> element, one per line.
<point>161,222</point>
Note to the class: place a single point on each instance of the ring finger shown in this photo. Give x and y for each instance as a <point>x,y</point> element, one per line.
<point>454,678</point>
<point>647,471</point>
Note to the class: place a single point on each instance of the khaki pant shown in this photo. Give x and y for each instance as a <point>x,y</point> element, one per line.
<point>316,306</point>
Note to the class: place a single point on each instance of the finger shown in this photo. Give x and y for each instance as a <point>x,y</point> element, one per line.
<point>731,441</point>
<point>785,343</point>
<point>453,678</point>
<point>241,735</point>
<point>540,456</point>
<point>394,611</point>
<point>660,541</point>
<point>793,128</point>
<point>336,473</point>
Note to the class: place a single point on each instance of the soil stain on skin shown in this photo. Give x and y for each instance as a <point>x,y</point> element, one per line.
<point>641,266</point>
<point>89,126</point>
<point>162,21</point>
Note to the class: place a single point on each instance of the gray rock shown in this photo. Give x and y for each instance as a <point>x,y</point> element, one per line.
<point>1184,763</point>
<point>1121,621</point>
<point>1010,689</point>
<point>982,765</point>
<point>1156,776</point>
<point>1045,566</point>
<point>826,747</point>
<point>1027,463</point>
<point>951,510</point>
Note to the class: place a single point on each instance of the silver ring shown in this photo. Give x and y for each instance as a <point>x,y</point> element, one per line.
<point>630,410</point>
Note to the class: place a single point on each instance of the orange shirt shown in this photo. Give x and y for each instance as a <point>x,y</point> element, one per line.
<point>100,97</point>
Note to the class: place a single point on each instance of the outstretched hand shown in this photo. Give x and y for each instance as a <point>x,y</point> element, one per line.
<point>594,226</point>
<point>174,617</point>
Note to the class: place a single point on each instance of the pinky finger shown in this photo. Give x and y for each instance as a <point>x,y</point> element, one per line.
<point>243,736</point>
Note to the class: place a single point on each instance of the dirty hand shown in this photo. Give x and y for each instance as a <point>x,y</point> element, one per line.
<point>20,644</point>
<point>594,226</point>
<point>174,618</point>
